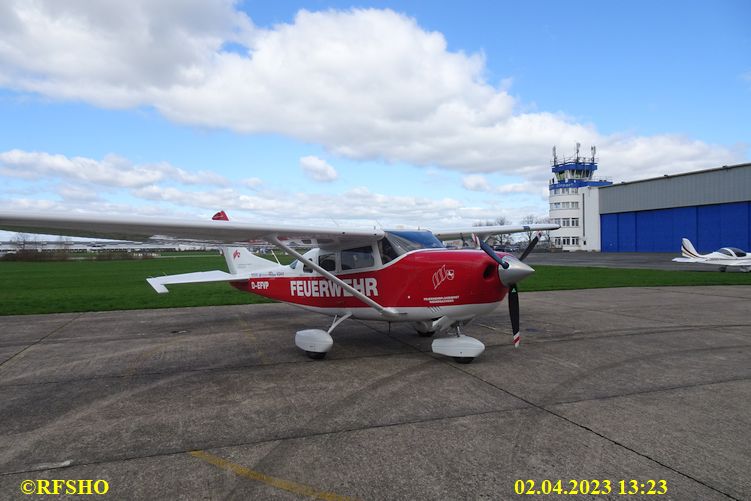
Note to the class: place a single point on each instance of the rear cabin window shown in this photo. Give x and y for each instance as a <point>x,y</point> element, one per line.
<point>359,257</point>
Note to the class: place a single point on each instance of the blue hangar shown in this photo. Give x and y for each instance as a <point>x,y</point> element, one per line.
<point>712,208</point>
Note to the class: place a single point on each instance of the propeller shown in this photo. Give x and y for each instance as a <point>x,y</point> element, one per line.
<point>511,271</point>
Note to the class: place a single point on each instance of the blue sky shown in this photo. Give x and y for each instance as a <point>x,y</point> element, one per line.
<point>414,113</point>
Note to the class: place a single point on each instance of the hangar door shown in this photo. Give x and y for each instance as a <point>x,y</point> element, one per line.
<point>709,227</point>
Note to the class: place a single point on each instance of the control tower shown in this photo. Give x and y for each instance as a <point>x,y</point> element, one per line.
<point>574,203</point>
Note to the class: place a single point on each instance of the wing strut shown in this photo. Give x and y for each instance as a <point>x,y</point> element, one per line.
<point>386,312</point>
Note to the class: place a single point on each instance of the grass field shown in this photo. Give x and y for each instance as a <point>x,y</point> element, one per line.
<point>68,286</point>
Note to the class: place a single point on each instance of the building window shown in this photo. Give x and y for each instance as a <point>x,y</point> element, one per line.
<point>574,205</point>
<point>565,221</point>
<point>574,240</point>
<point>575,221</point>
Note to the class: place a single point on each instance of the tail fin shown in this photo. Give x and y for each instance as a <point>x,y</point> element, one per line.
<point>687,249</point>
<point>241,261</point>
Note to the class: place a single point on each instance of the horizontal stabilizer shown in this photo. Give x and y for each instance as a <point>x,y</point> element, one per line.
<point>159,283</point>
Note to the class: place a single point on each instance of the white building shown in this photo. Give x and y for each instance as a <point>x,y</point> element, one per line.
<point>574,202</point>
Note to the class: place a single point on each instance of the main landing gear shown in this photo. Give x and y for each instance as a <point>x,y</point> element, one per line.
<point>463,349</point>
<point>317,342</point>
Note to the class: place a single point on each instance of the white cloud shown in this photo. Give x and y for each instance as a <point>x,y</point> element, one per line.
<point>57,182</point>
<point>252,182</point>
<point>364,83</point>
<point>73,193</point>
<point>112,170</point>
<point>475,182</point>
<point>318,169</point>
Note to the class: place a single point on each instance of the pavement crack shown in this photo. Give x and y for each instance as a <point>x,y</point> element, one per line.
<point>590,430</point>
<point>6,362</point>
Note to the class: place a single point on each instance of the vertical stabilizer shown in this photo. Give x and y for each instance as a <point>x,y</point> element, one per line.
<point>240,261</point>
<point>687,249</point>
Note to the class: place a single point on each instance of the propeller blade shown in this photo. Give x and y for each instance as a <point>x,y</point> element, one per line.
<point>513,309</point>
<point>529,248</point>
<point>490,252</point>
<point>511,271</point>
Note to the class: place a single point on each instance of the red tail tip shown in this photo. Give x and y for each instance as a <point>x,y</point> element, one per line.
<point>220,216</point>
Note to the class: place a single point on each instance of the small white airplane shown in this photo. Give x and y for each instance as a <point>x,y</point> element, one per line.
<point>393,276</point>
<point>727,256</point>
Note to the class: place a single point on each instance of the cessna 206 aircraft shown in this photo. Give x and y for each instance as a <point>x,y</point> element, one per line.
<point>727,256</point>
<point>393,276</point>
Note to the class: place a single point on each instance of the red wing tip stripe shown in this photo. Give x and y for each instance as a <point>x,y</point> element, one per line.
<point>517,339</point>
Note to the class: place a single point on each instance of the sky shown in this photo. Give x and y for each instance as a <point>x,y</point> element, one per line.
<point>429,114</point>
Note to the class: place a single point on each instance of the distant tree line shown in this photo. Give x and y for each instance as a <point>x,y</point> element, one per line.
<point>508,240</point>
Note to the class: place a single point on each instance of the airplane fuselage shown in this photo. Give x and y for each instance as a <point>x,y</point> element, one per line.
<point>421,285</point>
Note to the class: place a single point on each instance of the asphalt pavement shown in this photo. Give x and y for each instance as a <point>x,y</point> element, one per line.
<point>609,385</point>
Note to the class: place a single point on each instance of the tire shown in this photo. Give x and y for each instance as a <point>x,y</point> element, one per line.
<point>316,355</point>
<point>426,334</point>
<point>463,360</point>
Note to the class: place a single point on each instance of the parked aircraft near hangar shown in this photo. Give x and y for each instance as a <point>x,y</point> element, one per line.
<point>727,256</point>
<point>392,276</point>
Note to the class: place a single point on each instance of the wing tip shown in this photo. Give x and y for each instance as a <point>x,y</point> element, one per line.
<point>157,285</point>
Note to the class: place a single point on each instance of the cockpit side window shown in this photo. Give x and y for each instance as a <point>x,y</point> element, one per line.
<point>387,251</point>
<point>327,261</point>
<point>727,252</point>
<point>359,257</point>
<point>738,252</point>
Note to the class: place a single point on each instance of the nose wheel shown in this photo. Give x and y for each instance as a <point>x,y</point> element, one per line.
<point>424,329</point>
<point>463,360</point>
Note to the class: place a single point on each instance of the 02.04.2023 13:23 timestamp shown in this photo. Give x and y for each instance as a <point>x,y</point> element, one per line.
<point>605,487</point>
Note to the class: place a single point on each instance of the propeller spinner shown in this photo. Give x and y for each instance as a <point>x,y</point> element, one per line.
<point>511,271</point>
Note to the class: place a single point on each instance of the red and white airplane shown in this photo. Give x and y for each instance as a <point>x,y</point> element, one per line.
<point>393,276</point>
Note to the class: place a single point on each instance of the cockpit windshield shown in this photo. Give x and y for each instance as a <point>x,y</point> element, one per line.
<point>405,241</point>
<point>737,251</point>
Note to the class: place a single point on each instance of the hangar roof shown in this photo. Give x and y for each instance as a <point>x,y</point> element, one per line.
<point>726,184</point>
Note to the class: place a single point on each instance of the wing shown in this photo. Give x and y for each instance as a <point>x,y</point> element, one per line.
<point>145,229</point>
<point>485,231</point>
